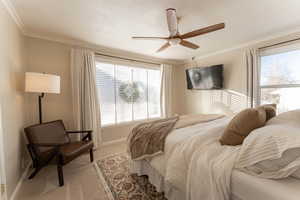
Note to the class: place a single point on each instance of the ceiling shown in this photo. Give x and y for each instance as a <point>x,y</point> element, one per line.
<point>111,23</point>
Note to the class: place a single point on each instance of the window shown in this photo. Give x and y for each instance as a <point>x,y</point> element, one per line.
<point>280,77</point>
<point>127,93</point>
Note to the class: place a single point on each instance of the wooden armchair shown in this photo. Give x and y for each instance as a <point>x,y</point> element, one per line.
<point>51,142</point>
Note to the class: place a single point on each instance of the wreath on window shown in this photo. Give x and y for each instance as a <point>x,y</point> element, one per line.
<point>131,92</point>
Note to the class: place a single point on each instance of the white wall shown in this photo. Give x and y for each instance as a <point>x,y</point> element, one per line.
<point>19,54</point>
<point>53,57</point>
<point>12,98</point>
<point>235,78</point>
<point>179,85</point>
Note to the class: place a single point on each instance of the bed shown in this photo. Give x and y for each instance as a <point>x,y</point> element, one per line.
<point>247,187</point>
<point>243,186</point>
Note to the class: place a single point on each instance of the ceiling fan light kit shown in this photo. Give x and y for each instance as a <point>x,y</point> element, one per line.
<point>174,41</point>
<point>175,37</point>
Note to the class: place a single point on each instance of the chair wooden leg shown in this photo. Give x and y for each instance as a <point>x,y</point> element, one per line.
<point>36,170</point>
<point>60,171</point>
<point>34,164</point>
<point>37,167</point>
<point>91,155</point>
<point>60,174</point>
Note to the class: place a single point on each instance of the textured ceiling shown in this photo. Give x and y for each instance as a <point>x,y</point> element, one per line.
<point>111,23</point>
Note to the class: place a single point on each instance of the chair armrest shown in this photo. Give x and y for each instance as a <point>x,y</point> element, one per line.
<point>82,131</point>
<point>47,144</point>
<point>87,136</point>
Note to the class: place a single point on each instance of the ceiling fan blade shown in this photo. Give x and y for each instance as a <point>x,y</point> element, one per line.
<point>188,44</point>
<point>150,38</point>
<point>172,21</point>
<point>203,31</point>
<point>166,45</point>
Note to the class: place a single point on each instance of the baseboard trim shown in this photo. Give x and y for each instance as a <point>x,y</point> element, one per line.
<point>104,144</point>
<point>23,177</point>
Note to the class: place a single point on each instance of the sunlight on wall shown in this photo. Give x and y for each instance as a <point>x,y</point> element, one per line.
<point>227,101</point>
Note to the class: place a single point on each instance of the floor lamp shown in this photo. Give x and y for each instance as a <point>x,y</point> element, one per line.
<point>41,83</point>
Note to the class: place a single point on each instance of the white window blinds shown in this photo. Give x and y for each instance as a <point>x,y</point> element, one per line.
<point>127,93</point>
<point>280,77</point>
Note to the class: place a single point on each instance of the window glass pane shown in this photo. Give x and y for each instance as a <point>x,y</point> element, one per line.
<point>124,93</point>
<point>283,68</point>
<point>285,98</point>
<point>140,98</point>
<point>127,93</point>
<point>154,93</point>
<point>105,85</point>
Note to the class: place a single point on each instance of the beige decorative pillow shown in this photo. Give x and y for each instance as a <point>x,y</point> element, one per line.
<point>270,110</point>
<point>242,124</point>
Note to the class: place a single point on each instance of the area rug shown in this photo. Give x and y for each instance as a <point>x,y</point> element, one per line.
<point>120,184</point>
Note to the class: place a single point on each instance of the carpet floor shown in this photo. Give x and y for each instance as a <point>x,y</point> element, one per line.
<point>120,184</point>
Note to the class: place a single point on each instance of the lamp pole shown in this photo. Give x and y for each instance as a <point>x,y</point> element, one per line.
<point>40,107</point>
<point>41,84</point>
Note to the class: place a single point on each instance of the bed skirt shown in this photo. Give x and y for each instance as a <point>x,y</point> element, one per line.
<point>142,167</point>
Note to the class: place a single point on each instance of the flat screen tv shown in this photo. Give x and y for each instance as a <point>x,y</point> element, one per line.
<point>205,78</point>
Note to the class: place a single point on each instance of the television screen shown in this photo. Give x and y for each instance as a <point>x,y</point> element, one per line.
<point>205,78</point>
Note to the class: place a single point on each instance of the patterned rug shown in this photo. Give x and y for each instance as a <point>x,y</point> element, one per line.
<point>120,184</point>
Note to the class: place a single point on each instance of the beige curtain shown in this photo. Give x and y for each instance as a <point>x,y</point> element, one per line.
<point>166,90</point>
<point>252,65</point>
<point>86,107</point>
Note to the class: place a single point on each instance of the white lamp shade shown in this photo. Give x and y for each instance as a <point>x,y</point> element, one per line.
<point>42,83</point>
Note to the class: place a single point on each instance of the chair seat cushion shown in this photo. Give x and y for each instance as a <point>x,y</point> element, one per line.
<point>46,155</point>
<point>72,150</point>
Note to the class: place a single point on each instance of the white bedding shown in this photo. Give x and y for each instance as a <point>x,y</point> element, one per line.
<point>195,165</point>
<point>271,151</point>
<point>244,186</point>
<point>183,149</point>
<point>247,187</point>
<point>179,137</point>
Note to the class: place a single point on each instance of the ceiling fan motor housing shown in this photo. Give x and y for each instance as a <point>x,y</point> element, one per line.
<point>172,21</point>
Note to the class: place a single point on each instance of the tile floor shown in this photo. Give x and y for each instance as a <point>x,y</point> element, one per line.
<point>81,180</point>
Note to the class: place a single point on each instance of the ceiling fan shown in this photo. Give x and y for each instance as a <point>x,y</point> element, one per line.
<point>175,37</point>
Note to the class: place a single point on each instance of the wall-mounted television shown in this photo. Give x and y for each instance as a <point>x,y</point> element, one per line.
<point>205,78</point>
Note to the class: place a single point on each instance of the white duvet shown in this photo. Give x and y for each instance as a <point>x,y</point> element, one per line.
<point>203,164</point>
<point>197,164</point>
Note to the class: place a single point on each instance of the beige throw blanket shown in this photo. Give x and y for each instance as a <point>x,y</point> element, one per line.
<point>148,139</point>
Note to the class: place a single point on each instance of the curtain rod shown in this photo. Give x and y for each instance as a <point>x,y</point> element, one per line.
<point>272,45</point>
<point>128,59</point>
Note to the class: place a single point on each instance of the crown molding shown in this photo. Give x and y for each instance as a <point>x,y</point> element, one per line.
<point>254,43</point>
<point>16,18</point>
<point>8,5</point>
<point>13,13</point>
<point>103,49</point>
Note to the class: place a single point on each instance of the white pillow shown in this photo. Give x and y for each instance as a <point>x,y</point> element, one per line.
<point>290,117</point>
<point>273,151</point>
<point>287,157</point>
